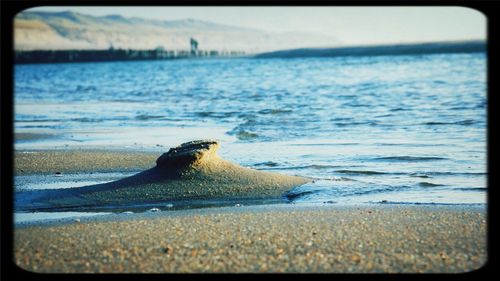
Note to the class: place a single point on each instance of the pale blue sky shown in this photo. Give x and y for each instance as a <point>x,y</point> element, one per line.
<point>351,25</point>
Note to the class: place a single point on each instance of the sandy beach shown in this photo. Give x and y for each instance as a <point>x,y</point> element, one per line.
<point>367,239</point>
<point>334,238</point>
<point>81,161</point>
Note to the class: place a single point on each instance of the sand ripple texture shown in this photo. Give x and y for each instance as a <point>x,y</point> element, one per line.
<point>260,239</point>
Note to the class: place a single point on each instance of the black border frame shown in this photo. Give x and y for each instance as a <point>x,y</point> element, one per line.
<point>10,8</point>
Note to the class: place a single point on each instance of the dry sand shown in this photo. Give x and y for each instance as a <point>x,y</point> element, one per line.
<point>281,238</point>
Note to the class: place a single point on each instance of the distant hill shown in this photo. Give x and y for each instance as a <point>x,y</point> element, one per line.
<point>397,49</point>
<point>70,30</point>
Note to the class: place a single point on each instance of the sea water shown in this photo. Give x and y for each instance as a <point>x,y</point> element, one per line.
<point>382,129</point>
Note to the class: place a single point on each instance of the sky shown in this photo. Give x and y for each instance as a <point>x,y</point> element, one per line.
<point>351,25</point>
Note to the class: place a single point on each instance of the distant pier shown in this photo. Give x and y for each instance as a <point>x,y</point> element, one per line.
<point>63,56</point>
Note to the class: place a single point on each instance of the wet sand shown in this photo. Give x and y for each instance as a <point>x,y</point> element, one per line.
<point>279,238</point>
<point>81,161</point>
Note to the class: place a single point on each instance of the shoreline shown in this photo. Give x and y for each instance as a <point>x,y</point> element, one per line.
<point>267,238</point>
<point>255,206</point>
<point>60,168</point>
<point>271,238</point>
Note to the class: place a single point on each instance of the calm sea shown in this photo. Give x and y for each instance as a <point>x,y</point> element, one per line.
<point>391,129</point>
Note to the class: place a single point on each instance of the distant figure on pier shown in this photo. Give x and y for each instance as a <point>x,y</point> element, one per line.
<point>194,47</point>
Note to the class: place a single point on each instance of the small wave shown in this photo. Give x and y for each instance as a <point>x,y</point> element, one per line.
<point>267,163</point>
<point>338,191</point>
<point>96,120</point>
<point>354,104</point>
<point>124,100</point>
<point>323,144</point>
<point>353,172</point>
<point>335,179</point>
<point>413,144</point>
<point>86,120</point>
<point>41,126</point>
<point>345,124</point>
<point>80,88</point>
<point>346,96</point>
<point>436,123</point>
<point>429,184</point>
<point>384,115</point>
<point>398,109</point>
<point>315,167</point>
<point>337,119</point>
<point>242,132</point>
<point>454,174</point>
<point>274,111</point>
<point>381,189</point>
<point>295,195</point>
<point>244,135</point>
<point>219,115</point>
<point>467,122</point>
<point>78,119</point>
<point>471,189</point>
<point>410,158</point>
<point>37,120</point>
<point>148,117</point>
<point>461,108</point>
<point>419,175</point>
<point>205,114</point>
<point>481,105</point>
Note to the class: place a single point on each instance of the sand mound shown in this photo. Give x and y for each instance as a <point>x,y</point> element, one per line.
<point>192,170</point>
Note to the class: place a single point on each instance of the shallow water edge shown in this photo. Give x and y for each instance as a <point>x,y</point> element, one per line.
<point>85,217</point>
